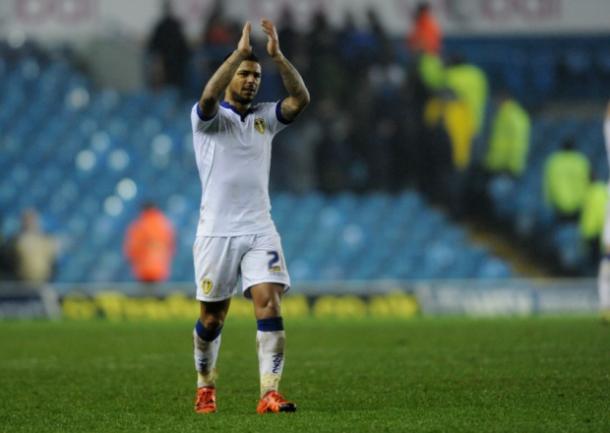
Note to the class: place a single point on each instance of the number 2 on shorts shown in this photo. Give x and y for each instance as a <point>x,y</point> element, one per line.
<point>274,261</point>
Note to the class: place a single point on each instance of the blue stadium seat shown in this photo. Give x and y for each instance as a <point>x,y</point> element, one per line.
<point>494,268</point>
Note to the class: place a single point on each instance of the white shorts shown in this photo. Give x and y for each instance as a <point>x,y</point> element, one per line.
<point>220,261</point>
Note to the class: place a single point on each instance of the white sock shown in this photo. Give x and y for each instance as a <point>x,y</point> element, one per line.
<point>206,354</point>
<point>603,284</point>
<point>270,348</point>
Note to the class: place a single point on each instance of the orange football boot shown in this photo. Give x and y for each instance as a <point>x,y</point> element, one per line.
<point>206,400</point>
<point>275,403</point>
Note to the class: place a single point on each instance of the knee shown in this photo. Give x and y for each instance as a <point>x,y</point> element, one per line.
<point>212,322</point>
<point>267,298</point>
<point>267,308</point>
<point>212,315</point>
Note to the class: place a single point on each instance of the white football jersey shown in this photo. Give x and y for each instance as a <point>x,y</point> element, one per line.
<point>233,156</point>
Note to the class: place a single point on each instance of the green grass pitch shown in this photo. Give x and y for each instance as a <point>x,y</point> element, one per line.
<point>368,375</point>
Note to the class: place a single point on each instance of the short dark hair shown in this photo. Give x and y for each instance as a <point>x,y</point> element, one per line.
<point>251,57</point>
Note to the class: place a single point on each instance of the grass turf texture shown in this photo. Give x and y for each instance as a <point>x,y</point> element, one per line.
<point>423,375</point>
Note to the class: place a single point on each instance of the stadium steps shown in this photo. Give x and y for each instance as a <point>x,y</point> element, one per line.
<point>523,263</point>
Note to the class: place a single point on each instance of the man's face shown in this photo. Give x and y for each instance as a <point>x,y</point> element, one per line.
<point>245,82</point>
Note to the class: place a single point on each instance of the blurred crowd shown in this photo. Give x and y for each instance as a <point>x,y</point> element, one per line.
<point>352,135</point>
<point>385,114</point>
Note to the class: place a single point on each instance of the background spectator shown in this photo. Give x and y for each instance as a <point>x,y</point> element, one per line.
<point>510,138</point>
<point>168,50</point>
<point>593,214</point>
<point>469,83</point>
<point>425,36</point>
<point>149,245</point>
<point>287,32</point>
<point>35,252</point>
<point>566,180</point>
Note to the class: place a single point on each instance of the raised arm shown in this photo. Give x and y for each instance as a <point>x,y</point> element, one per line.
<point>298,95</point>
<point>215,87</point>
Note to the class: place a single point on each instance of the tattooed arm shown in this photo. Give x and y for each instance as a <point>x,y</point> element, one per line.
<point>298,95</point>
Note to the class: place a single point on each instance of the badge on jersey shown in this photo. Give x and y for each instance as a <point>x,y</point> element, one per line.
<point>206,286</point>
<point>259,124</point>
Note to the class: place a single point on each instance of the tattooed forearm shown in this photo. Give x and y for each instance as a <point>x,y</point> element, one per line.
<point>293,82</point>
